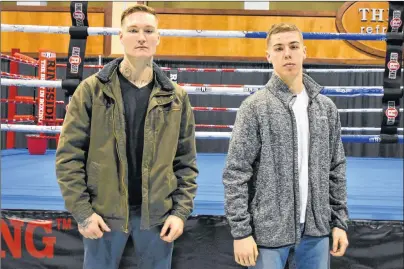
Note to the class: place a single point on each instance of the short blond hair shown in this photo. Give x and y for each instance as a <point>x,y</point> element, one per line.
<point>137,8</point>
<point>282,28</point>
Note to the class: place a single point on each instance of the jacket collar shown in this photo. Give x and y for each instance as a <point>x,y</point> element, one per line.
<point>282,91</point>
<point>109,70</point>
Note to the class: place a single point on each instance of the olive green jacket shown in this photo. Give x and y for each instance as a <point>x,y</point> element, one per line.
<point>91,163</point>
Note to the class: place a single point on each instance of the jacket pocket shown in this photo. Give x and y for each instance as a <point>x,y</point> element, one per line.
<point>261,215</point>
<point>170,113</point>
<point>161,200</point>
<point>101,121</point>
<point>167,126</point>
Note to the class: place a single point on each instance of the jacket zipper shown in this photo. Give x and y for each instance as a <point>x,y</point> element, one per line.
<point>126,229</point>
<point>294,167</point>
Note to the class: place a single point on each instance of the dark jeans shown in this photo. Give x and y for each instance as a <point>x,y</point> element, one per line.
<point>151,252</point>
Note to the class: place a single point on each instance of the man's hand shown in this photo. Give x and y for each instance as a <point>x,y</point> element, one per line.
<point>245,251</point>
<point>176,226</point>
<point>93,227</point>
<point>340,242</point>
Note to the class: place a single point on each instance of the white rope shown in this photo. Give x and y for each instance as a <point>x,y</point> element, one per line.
<point>193,33</point>
<point>256,70</point>
<point>212,135</point>
<point>205,135</point>
<point>364,110</point>
<point>31,83</point>
<point>31,128</point>
<point>203,33</point>
<point>115,31</point>
<point>361,129</point>
<point>345,110</point>
<point>351,70</point>
<point>35,29</point>
<point>57,129</point>
<point>220,90</point>
<point>351,129</point>
<point>56,29</point>
<point>347,91</point>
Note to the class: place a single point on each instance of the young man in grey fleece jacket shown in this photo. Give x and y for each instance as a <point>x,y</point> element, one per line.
<point>284,178</point>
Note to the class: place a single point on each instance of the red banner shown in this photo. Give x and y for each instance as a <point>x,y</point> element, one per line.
<point>47,96</point>
<point>50,239</point>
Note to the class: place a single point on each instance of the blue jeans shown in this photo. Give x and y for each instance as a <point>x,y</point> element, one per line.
<point>151,252</point>
<point>310,253</point>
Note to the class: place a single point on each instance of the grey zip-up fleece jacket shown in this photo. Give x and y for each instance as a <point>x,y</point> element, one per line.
<point>261,173</point>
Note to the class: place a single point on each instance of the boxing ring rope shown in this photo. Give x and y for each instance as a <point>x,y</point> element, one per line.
<point>256,70</point>
<point>15,76</point>
<point>32,83</point>
<point>345,110</point>
<point>189,33</point>
<point>347,91</point>
<point>35,63</point>
<point>27,100</point>
<point>200,135</point>
<point>219,70</point>
<point>346,129</point>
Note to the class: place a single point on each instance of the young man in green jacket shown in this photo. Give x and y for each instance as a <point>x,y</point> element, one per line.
<point>126,158</point>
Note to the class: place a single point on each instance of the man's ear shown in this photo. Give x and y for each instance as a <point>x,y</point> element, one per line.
<point>268,56</point>
<point>304,53</point>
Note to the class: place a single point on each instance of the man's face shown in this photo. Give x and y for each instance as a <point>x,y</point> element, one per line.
<point>139,35</point>
<point>286,52</point>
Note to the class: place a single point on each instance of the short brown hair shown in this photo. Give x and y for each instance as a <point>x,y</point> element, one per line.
<point>282,28</point>
<point>137,8</point>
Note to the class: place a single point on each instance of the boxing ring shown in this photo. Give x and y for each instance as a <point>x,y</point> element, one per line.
<point>37,232</point>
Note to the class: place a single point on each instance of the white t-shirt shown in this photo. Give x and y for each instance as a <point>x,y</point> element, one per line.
<point>303,134</point>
